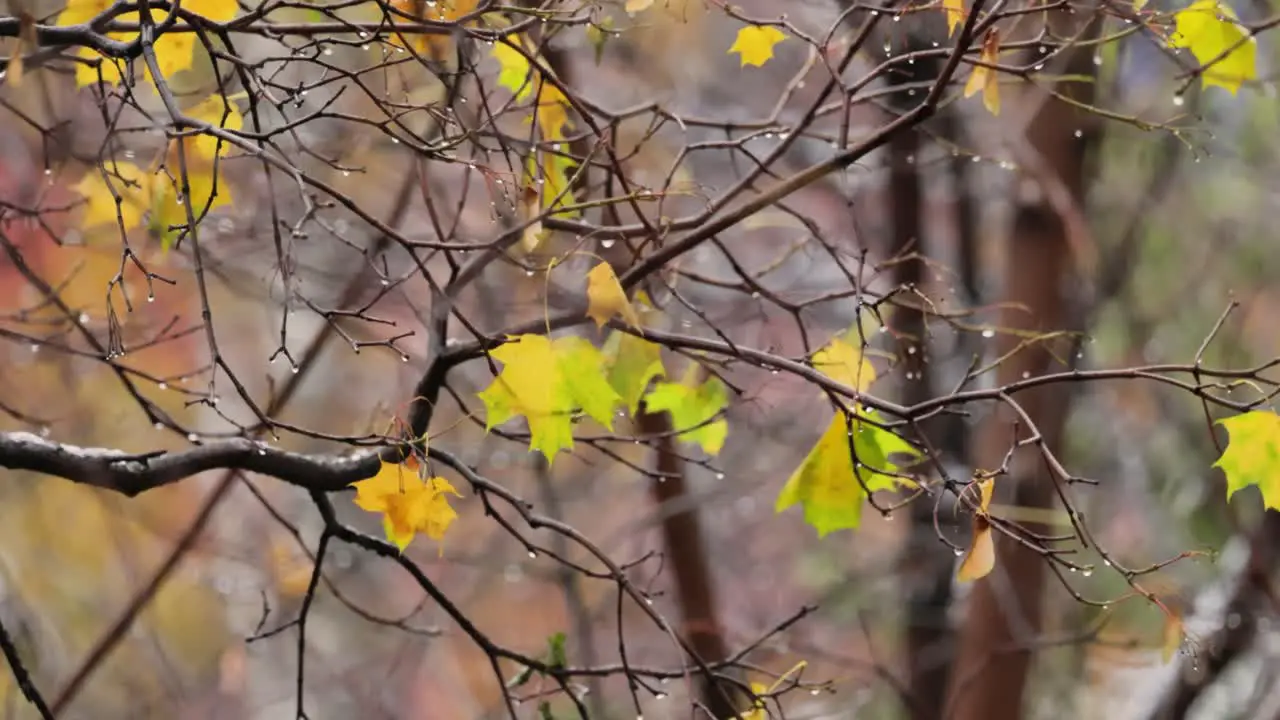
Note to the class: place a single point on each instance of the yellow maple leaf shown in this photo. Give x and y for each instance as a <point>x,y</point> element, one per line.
<point>1209,28</point>
<point>173,49</point>
<point>843,363</point>
<point>829,485</point>
<point>1252,456</point>
<point>547,381</point>
<point>131,183</point>
<point>408,503</point>
<point>980,560</point>
<point>606,298</point>
<point>219,113</point>
<point>754,44</point>
<point>692,406</point>
<point>984,78</point>
<point>955,14</point>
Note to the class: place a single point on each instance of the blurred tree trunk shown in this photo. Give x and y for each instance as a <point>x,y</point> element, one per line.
<point>928,583</point>
<point>1004,611</point>
<point>681,527</point>
<point>686,552</point>
<point>1255,597</point>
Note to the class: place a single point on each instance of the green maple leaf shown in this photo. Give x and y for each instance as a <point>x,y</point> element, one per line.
<point>633,362</point>
<point>1252,456</point>
<point>692,407</point>
<point>829,485</point>
<point>547,381</point>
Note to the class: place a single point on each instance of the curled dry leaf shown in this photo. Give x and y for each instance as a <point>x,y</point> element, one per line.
<point>980,560</point>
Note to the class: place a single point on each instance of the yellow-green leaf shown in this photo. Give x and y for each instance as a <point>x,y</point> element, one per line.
<point>843,363</point>
<point>692,407</point>
<point>827,483</point>
<point>553,113</point>
<point>1208,29</point>
<point>551,171</point>
<point>754,44</point>
<point>547,381</point>
<point>633,362</point>
<point>1252,456</point>
<point>515,72</point>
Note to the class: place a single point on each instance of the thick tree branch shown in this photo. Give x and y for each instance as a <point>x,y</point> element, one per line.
<point>134,474</point>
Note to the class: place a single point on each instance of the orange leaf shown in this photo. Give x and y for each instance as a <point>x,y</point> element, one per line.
<point>981,558</point>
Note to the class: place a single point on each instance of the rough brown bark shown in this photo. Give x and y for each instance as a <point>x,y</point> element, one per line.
<point>1004,610</point>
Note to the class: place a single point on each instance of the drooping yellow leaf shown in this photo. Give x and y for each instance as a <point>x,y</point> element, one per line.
<point>984,78</point>
<point>843,363</point>
<point>547,381</point>
<point>754,44</point>
<point>955,14</point>
<point>692,407</point>
<point>1209,28</point>
<point>551,171</point>
<point>553,113</point>
<point>173,49</point>
<point>606,298</point>
<point>408,504</point>
<point>1252,456</point>
<point>830,486</point>
<point>633,362</point>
